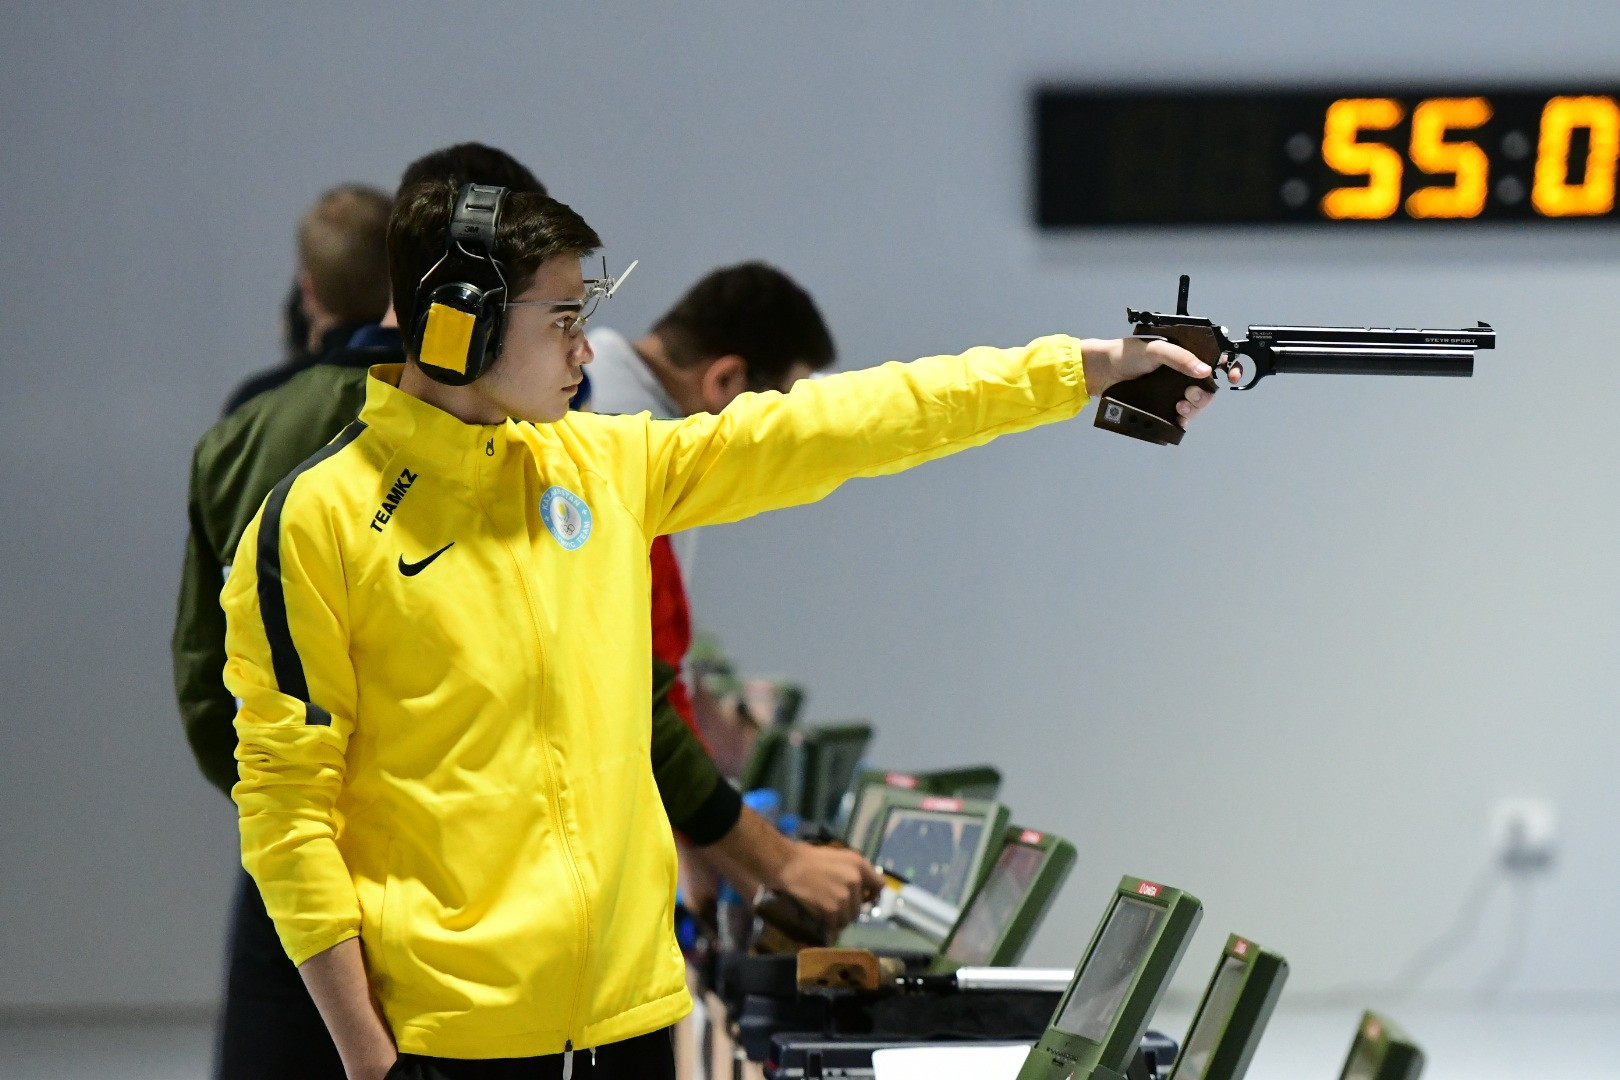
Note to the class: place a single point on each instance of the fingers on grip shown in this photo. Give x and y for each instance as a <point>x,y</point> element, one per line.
<point>1172,355</point>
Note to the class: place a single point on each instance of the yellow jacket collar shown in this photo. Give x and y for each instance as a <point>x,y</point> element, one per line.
<point>430,431</point>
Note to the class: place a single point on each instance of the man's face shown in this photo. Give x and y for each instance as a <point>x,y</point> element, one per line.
<point>540,365</point>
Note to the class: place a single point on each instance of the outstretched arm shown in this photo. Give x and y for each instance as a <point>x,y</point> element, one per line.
<point>772,450</point>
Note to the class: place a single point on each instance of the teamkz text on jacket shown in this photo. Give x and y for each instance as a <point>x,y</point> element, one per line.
<point>440,636</point>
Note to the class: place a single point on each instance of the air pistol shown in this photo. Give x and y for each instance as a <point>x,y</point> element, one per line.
<point>1145,407</point>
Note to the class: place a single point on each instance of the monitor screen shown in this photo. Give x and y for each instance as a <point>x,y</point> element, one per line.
<point>765,765</point>
<point>994,906</point>
<point>1102,984</point>
<point>932,849</point>
<point>863,818</point>
<point>836,761</point>
<point>1364,1060</point>
<point>1211,1022</point>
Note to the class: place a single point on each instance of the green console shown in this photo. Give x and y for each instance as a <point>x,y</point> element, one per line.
<point>767,764</point>
<point>1233,1014</point>
<point>1101,1018</point>
<point>1002,916</point>
<point>831,753</point>
<point>809,767</point>
<point>1382,1051</point>
<point>939,846</point>
<point>857,812</point>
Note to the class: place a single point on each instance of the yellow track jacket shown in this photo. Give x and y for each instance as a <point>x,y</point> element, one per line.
<point>441,641</point>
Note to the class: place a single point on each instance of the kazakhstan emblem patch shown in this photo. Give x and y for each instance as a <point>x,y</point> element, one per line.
<point>567,517</point>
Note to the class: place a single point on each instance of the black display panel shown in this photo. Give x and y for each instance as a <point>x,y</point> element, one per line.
<point>932,850</point>
<point>1364,1061</point>
<point>1445,155</point>
<point>863,819</point>
<point>1211,1021</point>
<point>996,904</point>
<point>1110,969</point>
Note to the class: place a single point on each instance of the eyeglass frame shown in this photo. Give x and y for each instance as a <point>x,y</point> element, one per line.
<point>596,290</point>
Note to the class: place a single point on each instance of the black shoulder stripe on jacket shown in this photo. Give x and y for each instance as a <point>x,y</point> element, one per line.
<point>289,668</point>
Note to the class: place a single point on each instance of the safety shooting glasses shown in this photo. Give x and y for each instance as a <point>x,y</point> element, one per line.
<point>576,313</point>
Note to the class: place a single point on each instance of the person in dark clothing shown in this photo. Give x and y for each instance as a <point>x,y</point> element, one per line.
<point>341,285</point>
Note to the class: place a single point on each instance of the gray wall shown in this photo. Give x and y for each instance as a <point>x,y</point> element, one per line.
<point>1289,665</point>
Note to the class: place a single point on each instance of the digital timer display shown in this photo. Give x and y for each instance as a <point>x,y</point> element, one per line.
<point>1324,157</point>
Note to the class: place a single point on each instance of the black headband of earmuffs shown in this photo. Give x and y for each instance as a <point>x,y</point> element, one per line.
<point>461,301</point>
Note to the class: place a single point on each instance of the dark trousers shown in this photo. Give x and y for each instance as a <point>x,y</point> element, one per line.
<point>271,1029</point>
<point>645,1057</point>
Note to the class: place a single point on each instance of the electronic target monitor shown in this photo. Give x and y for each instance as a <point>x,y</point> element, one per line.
<point>832,754</point>
<point>861,804</point>
<point>1003,915</point>
<point>936,845</point>
<point>1382,1051</point>
<point>868,800</point>
<point>1098,1024</point>
<point>1233,1013</point>
<point>810,768</point>
<point>1439,156</point>
<point>768,762</point>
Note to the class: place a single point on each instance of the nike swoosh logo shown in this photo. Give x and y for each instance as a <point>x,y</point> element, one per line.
<point>411,569</point>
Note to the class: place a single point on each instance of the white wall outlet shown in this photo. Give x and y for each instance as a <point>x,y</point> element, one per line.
<point>1524,834</point>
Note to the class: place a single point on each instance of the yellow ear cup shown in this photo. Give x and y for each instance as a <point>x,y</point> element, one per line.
<point>447,338</point>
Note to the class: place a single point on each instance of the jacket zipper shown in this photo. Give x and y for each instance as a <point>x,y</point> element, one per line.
<point>568,1060</point>
<point>552,789</point>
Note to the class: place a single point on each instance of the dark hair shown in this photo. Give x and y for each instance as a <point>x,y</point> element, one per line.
<point>471,163</point>
<point>342,246</point>
<point>753,311</point>
<point>532,229</point>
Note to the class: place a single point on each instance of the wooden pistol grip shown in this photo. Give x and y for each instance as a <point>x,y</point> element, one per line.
<point>1145,407</point>
<point>785,914</point>
<point>838,969</point>
<point>853,970</point>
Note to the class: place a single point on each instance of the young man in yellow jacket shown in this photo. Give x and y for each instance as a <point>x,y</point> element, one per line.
<point>441,644</point>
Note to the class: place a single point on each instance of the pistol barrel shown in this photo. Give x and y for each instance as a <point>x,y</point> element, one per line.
<point>1346,350</point>
<point>1331,360</point>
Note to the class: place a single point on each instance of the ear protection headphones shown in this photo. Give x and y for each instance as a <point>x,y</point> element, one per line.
<point>461,301</point>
